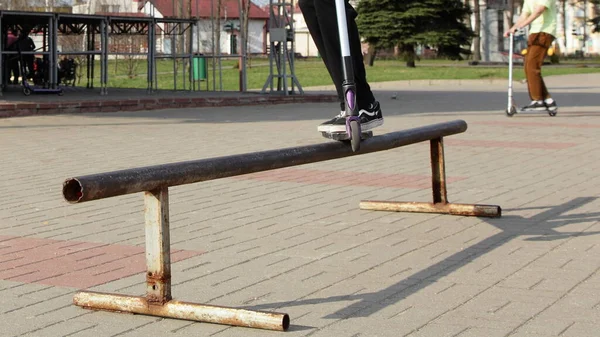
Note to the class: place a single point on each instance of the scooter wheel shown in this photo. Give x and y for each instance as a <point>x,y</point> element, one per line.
<point>60,93</point>
<point>552,113</point>
<point>355,141</point>
<point>510,112</point>
<point>26,91</point>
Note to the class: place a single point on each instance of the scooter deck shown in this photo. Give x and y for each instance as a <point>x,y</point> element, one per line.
<point>514,111</point>
<point>344,136</point>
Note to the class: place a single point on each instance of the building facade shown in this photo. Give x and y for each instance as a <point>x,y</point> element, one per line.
<point>204,10</point>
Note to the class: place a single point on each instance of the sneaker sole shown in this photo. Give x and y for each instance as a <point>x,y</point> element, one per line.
<point>337,128</point>
<point>363,127</point>
<point>324,128</point>
<point>372,124</point>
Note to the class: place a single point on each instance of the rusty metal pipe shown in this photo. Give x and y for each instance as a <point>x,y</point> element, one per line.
<point>490,211</point>
<point>105,185</point>
<point>438,171</point>
<point>183,310</point>
<point>158,245</point>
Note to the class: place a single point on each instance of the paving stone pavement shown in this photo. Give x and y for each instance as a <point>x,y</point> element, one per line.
<point>294,240</point>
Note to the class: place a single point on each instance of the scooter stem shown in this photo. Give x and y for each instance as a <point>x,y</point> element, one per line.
<point>348,86</point>
<point>510,70</point>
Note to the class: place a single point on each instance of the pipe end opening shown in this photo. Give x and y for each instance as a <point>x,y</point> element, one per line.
<point>72,190</point>
<point>286,322</point>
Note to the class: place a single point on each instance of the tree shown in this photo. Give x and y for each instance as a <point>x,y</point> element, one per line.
<point>595,21</point>
<point>562,13</point>
<point>477,31</point>
<point>244,20</point>
<point>590,18</point>
<point>445,28</point>
<point>15,5</point>
<point>406,24</point>
<point>217,28</point>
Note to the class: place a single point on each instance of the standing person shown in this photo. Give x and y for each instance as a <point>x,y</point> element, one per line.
<point>28,45</point>
<point>320,17</point>
<point>12,61</point>
<point>541,15</point>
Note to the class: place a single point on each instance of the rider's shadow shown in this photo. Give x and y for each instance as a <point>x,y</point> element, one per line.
<point>540,227</point>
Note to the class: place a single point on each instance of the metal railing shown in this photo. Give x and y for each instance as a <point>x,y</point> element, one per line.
<point>155,181</point>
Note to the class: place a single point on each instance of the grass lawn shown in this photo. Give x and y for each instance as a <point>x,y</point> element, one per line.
<point>312,72</point>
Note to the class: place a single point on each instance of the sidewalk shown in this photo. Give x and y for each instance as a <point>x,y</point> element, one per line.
<point>80,100</point>
<point>293,241</point>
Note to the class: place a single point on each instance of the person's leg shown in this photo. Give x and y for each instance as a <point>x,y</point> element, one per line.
<point>15,70</point>
<point>29,62</point>
<point>369,108</point>
<point>365,96</point>
<point>532,66</point>
<point>324,11</point>
<point>5,72</point>
<point>548,100</point>
<point>537,47</point>
<point>309,11</point>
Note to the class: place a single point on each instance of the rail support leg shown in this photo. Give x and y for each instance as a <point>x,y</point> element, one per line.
<point>158,300</point>
<point>440,202</point>
<point>158,244</point>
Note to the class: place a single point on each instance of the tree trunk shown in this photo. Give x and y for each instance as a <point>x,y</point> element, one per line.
<point>477,31</point>
<point>511,13</point>
<point>408,53</point>
<point>468,22</point>
<point>371,54</point>
<point>247,26</point>
<point>563,15</point>
<point>218,29</point>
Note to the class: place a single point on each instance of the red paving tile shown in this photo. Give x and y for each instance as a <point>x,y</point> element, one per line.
<point>509,144</point>
<point>305,176</point>
<point>70,263</point>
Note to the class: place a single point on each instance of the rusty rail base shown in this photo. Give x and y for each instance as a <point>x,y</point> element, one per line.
<point>489,211</point>
<point>183,310</point>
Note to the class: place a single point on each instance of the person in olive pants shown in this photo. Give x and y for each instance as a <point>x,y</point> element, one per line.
<point>541,15</point>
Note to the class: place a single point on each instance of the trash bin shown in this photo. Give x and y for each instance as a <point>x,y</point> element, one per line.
<point>199,67</point>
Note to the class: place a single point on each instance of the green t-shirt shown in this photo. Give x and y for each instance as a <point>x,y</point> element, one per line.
<point>547,21</point>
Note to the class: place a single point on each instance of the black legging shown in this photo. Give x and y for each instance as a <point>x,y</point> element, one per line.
<point>320,17</point>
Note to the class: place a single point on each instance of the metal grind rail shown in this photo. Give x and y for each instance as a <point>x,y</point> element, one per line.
<point>155,181</point>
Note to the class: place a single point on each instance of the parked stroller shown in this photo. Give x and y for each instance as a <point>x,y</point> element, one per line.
<point>67,72</point>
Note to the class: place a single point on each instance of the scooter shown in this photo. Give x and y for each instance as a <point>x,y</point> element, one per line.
<point>353,131</point>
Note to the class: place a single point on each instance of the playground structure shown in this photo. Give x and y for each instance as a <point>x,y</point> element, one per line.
<point>94,31</point>
<point>131,41</point>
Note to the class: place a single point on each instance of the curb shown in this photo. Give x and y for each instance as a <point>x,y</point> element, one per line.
<point>93,106</point>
